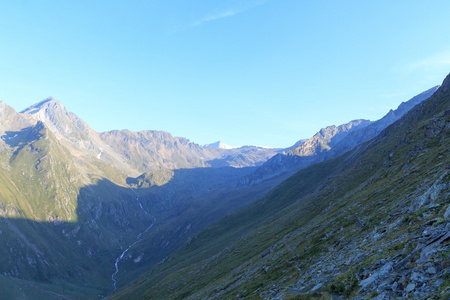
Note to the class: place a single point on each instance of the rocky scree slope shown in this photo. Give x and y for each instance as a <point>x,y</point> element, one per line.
<point>372,223</point>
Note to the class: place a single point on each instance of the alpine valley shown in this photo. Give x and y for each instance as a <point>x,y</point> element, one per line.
<point>360,210</point>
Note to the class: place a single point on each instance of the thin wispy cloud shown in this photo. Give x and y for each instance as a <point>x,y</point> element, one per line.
<point>437,61</point>
<point>238,8</point>
<point>217,16</point>
<point>428,70</point>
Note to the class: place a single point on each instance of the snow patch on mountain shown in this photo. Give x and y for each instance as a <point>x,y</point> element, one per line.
<point>220,145</point>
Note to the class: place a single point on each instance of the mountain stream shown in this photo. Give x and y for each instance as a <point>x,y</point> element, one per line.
<point>138,239</point>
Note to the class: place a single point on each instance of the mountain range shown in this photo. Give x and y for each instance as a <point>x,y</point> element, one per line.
<point>83,214</point>
<point>332,141</point>
<point>373,223</point>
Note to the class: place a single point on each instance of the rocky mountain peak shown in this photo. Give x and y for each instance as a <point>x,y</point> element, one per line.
<point>326,138</point>
<point>49,102</point>
<point>54,114</point>
<point>65,125</point>
<point>5,107</point>
<point>11,120</point>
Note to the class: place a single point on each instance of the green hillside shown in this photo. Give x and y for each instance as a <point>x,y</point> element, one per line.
<point>373,221</point>
<point>66,216</point>
<point>49,237</point>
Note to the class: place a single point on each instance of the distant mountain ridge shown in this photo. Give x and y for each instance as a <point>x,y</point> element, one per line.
<point>141,151</point>
<point>374,128</point>
<point>331,142</point>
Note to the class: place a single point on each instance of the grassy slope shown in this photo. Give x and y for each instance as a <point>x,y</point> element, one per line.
<point>47,237</point>
<point>13,288</point>
<point>39,195</point>
<point>65,234</point>
<point>309,213</point>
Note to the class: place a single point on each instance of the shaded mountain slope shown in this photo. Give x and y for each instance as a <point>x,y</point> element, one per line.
<point>374,221</point>
<point>188,202</point>
<point>67,212</point>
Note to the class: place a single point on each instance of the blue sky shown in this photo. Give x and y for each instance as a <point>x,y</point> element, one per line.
<point>255,72</point>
